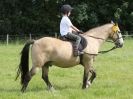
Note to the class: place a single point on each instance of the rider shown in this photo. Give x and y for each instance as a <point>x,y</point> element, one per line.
<point>68,30</point>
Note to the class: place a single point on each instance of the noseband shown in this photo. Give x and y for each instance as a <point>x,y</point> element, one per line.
<point>116,40</point>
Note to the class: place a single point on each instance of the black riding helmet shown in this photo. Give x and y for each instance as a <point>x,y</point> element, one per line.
<point>66,8</point>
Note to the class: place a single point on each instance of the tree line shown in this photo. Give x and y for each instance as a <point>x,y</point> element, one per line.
<point>43,16</point>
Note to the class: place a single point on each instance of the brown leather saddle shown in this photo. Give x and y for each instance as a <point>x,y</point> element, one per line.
<point>83,42</point>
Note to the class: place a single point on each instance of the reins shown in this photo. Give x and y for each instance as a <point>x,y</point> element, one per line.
<point>95,37</point>
<point>99,38</point>
<point>103,52</point>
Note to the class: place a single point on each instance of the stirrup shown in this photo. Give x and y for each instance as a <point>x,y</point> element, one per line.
<point>78,53</point>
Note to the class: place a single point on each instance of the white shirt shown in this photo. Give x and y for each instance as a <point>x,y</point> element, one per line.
<point>65,25</point>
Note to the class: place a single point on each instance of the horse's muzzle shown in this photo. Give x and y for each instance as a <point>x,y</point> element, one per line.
<point>119,45</point>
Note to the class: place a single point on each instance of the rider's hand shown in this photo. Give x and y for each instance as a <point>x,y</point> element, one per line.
<point>80,32</point>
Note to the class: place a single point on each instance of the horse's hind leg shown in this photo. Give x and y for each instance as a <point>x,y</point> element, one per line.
<point>45,70</point>
<point>28,77</point>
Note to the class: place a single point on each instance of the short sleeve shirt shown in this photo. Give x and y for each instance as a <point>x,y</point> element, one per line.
<point>65,25</point>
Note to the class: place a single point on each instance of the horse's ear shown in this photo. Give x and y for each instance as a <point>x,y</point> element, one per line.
<point>112,22</point>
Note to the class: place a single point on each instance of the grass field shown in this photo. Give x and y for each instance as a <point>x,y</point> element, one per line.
<point>114,77</point>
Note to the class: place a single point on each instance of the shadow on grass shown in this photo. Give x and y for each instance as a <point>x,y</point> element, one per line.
<point>14,90</point>
<point>3,90</point>
<point>40,88</point>
<point>65,87</point>
<point>56,88</point>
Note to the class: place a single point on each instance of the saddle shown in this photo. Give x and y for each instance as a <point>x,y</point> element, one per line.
<point>82,45</point>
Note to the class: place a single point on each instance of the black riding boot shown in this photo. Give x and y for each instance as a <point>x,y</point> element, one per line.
<point>77,40</point>
<point>76,52</point>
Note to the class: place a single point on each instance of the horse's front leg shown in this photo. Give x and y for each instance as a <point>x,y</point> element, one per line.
<point>93,76</point>
<point>85,77</point>
<point>87,63</point>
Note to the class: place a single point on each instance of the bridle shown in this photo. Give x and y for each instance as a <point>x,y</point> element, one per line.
<point>102,52</point>
<point>114,41</point>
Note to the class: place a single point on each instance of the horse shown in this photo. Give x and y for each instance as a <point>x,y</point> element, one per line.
<point>48,51</point>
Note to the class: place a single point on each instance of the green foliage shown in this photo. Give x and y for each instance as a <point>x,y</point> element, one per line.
<point>43,16</point>
<point>81,14</point>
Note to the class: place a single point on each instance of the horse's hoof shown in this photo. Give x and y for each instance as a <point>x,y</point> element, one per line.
<point>51,89</point>
<point>23,89</point>
<point>84,87</point>
<point>88,83</point>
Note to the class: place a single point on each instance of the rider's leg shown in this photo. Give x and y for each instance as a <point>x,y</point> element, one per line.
<point>76,45</point>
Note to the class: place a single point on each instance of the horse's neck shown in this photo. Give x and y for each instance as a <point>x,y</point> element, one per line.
<point>100,34</point>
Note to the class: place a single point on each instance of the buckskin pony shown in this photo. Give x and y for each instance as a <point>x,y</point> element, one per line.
<point>49,51</point>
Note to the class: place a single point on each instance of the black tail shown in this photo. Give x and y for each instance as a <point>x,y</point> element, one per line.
<point>24,63</point>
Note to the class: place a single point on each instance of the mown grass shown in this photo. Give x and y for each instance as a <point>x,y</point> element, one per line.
<point>114,77</point>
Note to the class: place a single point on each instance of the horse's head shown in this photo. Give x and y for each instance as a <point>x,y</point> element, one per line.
<point>116,36</point>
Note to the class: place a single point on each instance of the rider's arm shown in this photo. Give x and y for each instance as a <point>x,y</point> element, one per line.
<point>75,29</point>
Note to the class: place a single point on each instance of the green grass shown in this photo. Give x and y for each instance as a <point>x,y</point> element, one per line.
<point>114,77</point>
